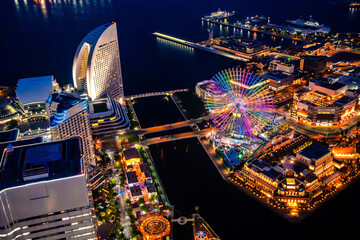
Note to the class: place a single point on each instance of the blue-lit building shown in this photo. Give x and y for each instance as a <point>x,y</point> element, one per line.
<point>69,117</point>
<point>44,192</point>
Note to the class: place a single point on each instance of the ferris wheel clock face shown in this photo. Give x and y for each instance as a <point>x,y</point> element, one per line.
<point>239,102</point>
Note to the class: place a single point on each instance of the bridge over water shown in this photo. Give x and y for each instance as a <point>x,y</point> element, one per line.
<point>174,137</point>
<point>155,94</point>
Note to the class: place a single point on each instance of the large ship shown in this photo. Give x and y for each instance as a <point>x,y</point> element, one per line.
<point>219,15</point>
<point>307,26</point>
<point>309,23</point>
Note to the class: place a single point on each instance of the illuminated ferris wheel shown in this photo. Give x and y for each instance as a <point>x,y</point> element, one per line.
<point>239,103</point>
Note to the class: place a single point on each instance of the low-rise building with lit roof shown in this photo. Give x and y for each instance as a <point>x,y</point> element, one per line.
<point>131,156</point>
<point>107,116</point>
<point>318,158</point>
<point>324,104</point>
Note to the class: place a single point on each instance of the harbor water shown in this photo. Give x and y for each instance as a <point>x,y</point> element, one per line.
<point>40,38</point>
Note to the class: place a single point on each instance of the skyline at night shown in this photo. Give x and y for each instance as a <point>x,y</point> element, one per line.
<point>178,120</point>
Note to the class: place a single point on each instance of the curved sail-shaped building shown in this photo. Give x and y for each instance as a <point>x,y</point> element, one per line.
<point>96,66</point>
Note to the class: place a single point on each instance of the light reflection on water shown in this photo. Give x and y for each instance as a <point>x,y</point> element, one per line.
<point>166,43</point>
<point>27,9</point>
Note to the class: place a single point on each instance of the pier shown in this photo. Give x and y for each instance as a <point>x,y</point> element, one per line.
<point>201,47</point>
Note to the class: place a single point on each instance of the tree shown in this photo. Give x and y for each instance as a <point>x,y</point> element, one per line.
<point>141,201</point>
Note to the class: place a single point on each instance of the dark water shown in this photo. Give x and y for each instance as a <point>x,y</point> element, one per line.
<point>191,179</point>
<point>156,111</point>
<point>41,39</point>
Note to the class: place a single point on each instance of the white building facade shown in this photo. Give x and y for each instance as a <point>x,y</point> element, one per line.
<point>47,196</point>
<point>96,66</point>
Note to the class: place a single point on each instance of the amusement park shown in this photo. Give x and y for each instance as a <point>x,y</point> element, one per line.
<point>240,106</point>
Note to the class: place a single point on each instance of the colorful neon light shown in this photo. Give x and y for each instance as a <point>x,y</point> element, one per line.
<point>240,102</point>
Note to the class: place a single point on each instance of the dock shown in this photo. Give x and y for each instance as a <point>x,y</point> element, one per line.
<point>238,26</point>
<point>199,46</point>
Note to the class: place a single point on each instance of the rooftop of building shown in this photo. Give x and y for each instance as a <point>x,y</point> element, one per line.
<point>267,170</point>
<point>147,174</point>
<point>273,174</point>
<point>144,167</point>
<point>135,191</point>
<point>41,162</point>
<point>93,36</point>
<point>232,158</point>
<point>131,153</point>
<point>63,102</point>
<point>310,177</point>
<point>131,177</point>
<point>151,188</point>
<point>35,89</point>
<point>316,97</point>
<point>100,107</point>
<point>315,58</point>
<point>210,86</point>
<point>314,151</point>
<point>351,82</point>
<point>234,41</point>
<point>325,84</point>
<point>15,143</point>
<point>107,115</point>
<point>276,75</point>
<point>282,61</point>
<point>7,136</point>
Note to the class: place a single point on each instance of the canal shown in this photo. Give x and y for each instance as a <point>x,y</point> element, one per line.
<point>190,179</point>
<point>155,111</point>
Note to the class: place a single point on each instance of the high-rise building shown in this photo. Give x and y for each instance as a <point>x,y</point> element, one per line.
<point>69,117</point>
<point>96,66</point>
<point>44,192</point>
